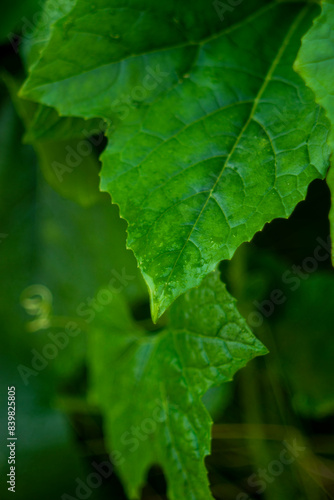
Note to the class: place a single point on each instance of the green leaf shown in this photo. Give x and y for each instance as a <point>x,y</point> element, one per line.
<point>65,153</point>
<point>51,242</point>
<point>45,123</point>
<point>150,386</point>
<point>17,17</point>
<point>70,165</point>
<point>330,182</point>
<point>228,139</point>
<point>315,63</point>
<point>40,36</point>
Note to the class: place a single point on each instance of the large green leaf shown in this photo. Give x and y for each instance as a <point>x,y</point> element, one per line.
<point>17,19</point>
<point>315,63</point>
<point>46,124</point>
<point>223,138</point>
<point>150,387</point>
<point>40,36</point>
<point>63,145</point>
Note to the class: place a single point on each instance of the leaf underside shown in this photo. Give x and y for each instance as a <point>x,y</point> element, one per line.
<point>164,378</point>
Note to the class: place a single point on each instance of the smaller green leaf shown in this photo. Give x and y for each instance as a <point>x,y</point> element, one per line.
<point>315,63</point>
<point>46,123</point>
<point>70,165</point>
<point>38,40</point>
<point>150,387</point>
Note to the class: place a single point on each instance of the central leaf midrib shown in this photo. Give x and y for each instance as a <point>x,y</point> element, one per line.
<point>262,89</point>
